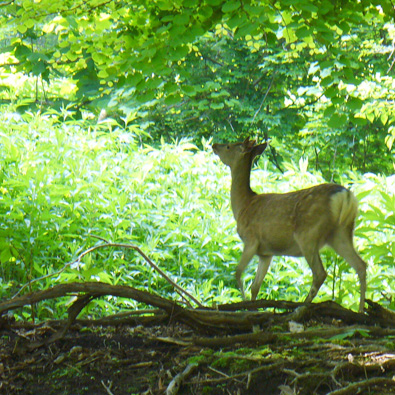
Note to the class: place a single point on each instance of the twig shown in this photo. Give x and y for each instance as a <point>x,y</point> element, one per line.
<point>392,65</point>
<point>224,375</point>
<point>98,237</point>
<point>291,372</point>
<point>161,272</point>
<point>108,389</point>
<point>230,123</point>
<point>175,384</point>
<point>171,340</point>
<point>264,98</point>
<point>212,60</point>
<point>272,367</point>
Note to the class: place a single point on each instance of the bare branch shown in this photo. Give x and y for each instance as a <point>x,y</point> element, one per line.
<point>264,97</point>
<point>178,289</point>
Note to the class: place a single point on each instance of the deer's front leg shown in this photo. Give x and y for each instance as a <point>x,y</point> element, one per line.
<point>248,253</point>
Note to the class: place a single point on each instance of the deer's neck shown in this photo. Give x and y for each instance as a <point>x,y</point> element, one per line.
<point>241,192</point>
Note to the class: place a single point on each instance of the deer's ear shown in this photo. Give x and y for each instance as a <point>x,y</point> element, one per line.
<point>258,149</point>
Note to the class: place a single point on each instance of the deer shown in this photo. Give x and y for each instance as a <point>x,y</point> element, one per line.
<point>297,224</point>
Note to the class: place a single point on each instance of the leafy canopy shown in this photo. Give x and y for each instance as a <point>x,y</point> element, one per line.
<point>137,49</point>
<point>314,77</point>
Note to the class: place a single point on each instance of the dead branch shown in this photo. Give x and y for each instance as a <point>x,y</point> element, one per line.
<point>237,326</point>
<point>356,388</point>
<point>271,367</point>
<point>327,309</point>
<point>92,288</point>
<point>178,289</point>
<point>224,341</point>
<point>107,388</point>
<point>175,384</point>
<point>260,304</point>
<point>381,314</point>
<point>73,312</point>
<point>148,317</point>
<point>98,289</point>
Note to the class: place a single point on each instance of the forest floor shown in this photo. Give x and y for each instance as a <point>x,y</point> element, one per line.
<point>289,349</point>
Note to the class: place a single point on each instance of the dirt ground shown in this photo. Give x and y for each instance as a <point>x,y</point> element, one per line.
<point>254,347</point>
<point>144,360</point>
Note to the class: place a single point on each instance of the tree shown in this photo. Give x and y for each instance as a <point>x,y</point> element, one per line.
<point>135,49</point>
<point>219,67</point>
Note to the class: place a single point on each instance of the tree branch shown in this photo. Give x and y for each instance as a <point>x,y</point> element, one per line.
<point>178,289</point>
<point>264,97</point>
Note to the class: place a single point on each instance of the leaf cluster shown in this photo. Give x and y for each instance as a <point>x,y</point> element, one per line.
<point>293,71</point>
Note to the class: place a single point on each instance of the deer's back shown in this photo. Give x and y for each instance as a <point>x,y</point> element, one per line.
<point>272,220</point>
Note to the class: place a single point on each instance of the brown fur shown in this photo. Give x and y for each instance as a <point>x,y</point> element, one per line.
<point>291,224</point>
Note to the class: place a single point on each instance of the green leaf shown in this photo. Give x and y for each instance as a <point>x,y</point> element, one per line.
<point>173,99</point>
<point>251,28</point>
<point>22,28</point>
<point>358,121</point>
<point>384,118</point>
<point>178,53</point>
<point>39,68</point>
<point>237,20</point>
<point>153,83</point>
<point>389,141</point>
<point>181,19</point>
<point>303,32</point>
<point>5,254</point>
<point>344,26</point>
<point>146,96</point>
<point>165,5</point>
<point>205,13</point>
<point>191,3</point>
<point>327,81</point>
<point>350,334</point>
<point>217,106</point>
<point>354,103</point>
<point>189,90</point>
<point>22,51</point>
<point>230,6</point>
<point>72,20</point>
<point>337,100</point>
<point>337,121</point>
<point>170,87</point>
<point>307,6</point>
<point>329,111</point>
<point>331,92</point>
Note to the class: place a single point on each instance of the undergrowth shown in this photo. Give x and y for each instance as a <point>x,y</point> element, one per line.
<point>66,186</point>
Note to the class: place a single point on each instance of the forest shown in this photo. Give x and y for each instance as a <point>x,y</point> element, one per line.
<point>118,247</point>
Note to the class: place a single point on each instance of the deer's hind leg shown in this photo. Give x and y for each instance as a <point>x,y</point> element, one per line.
<point>342,243</point>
